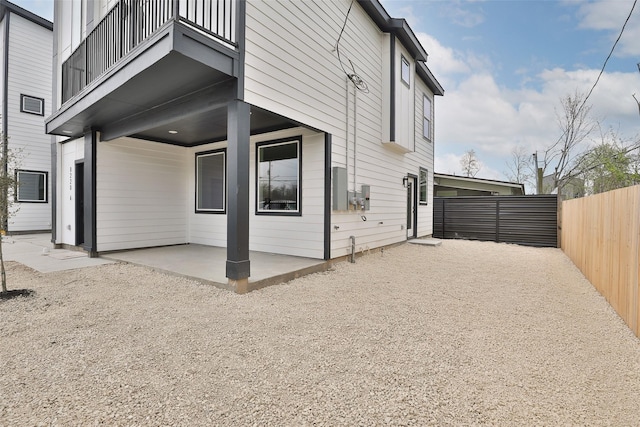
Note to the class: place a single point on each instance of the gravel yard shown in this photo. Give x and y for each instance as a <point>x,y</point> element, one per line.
<point>468,333</point>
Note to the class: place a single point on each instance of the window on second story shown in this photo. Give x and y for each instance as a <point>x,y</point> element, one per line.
<point>424,188</point>
<point>32,105</point>
<point>426,113</point>
<point>405,71</point>
<point>31,186</point>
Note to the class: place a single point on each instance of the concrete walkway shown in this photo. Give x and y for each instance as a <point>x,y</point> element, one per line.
<point>36,251</point>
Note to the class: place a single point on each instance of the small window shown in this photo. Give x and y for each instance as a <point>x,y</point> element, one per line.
<point>426,113</point>
<point>210,181</point>
<point>405,72</point>
<point>278,177</point>
<point>32,105</point>
<point>31,186</point>
<point>424,188</point>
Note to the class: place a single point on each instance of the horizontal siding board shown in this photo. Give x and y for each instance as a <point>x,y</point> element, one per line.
<point>526,220</point>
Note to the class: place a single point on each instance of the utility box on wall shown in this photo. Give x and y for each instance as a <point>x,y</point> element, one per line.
<point>366,195</point>
<point>340,196</point>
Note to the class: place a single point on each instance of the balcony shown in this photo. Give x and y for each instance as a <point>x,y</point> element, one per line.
<point>131,23</point>
<point>155,65</point>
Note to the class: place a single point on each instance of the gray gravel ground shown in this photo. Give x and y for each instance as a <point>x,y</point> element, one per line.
<point>468,333</point>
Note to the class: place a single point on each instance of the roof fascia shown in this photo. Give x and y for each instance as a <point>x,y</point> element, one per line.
<point>401,29</point>
<point>8,6</point>
<point>471,179</point>
<point>425,74</point>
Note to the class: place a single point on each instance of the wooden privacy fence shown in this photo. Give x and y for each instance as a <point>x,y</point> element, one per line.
<point>524,220</point>
<point>601,235</point>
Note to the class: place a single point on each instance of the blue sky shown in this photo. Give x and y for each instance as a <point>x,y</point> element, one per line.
<point>505,64</point>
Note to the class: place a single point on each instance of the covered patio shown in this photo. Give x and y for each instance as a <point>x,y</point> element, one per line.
<point>207,264</point>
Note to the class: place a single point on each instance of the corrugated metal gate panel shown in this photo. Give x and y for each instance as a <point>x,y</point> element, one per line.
<point>525,220</point>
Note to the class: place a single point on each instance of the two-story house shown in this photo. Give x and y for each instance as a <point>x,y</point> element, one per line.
<point>26,43</point>
<point>294,127</point>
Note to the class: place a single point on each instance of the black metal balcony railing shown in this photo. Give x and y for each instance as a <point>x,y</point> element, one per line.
<point>130,22</point>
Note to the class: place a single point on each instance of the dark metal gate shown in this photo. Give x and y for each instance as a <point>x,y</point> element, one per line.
<point>525,220</point>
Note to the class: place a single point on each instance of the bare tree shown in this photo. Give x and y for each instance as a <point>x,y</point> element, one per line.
<point>470,164</point>
<point>575,126</point>
<point>520,167</point>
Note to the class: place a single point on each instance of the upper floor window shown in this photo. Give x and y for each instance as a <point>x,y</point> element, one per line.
<point>31,186</point>
<point>279,175</point>
<point>210,182</point>
<point>423,186</point>
<point>405,71</point>
<point>31,105</point>
<point>426,113</point>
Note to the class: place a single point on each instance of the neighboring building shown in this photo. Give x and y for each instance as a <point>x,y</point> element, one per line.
<point>26,43</point>
<point>453,185</point>
<point>571,188</point>
<point>284,127</point>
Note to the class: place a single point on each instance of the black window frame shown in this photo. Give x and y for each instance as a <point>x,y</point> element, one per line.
<point>426,121</point>
<point>404,61</point>
<point>45,174</point>
<point>422,170</point>
<point>260,145</point>
<point>22,110</point>
<point>216,152</point>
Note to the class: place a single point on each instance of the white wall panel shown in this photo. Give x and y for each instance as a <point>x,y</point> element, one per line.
<point>141,194</point>
<point>29,73</point>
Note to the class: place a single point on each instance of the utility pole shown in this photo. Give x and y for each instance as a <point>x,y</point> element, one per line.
<point>538,174</point>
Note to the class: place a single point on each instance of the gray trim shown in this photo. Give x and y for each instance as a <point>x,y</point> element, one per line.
<point>16,193</point>
<point>54,189</point>
<point>5,110</point>
<point>238,266</point>
<point>401,29</point>
<point>22,110</point>
<point>208,99</point>
<point>298,212</point>
<point>420,170</point>
<point>327,196</point>
<point>416,203</point>
<point>241,18</point>
<point>54,143</point>
<point>217,151</point>
<point>90,224</point>
<point>5,5</point>
<point>392,89</point>
<point>427,77</point>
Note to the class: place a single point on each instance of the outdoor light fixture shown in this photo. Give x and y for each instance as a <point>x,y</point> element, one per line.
<point>405,181</point>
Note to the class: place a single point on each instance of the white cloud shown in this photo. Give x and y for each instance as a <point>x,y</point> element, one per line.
<point>479,114</point>
<point>610,16</point>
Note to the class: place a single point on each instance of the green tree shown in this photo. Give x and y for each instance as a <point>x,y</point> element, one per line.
<point>610,165</point>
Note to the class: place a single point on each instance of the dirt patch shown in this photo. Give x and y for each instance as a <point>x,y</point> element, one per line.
<point>468,333</point>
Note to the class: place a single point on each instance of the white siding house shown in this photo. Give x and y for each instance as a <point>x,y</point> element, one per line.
<point>288,127</point>
<point>25,98</point>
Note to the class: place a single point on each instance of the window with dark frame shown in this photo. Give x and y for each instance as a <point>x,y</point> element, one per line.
<point>31,105</point>
<point>210,181</point>
<point>423,186</point>
<point>278,177</point>
<point>426,112</point>
<point>31,186</point>
<point>405,71</point>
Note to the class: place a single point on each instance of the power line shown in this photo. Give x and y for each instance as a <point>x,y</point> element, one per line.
<point>609,56</point>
